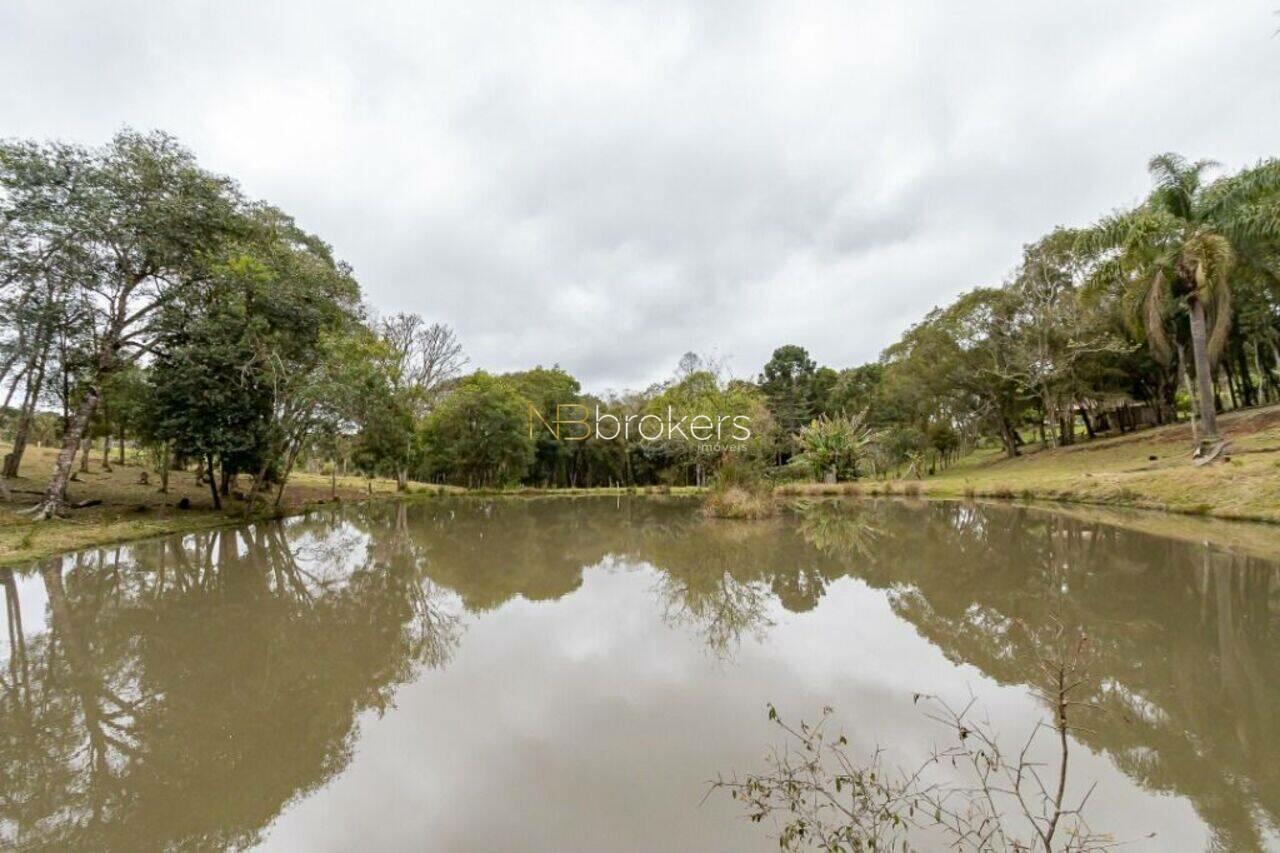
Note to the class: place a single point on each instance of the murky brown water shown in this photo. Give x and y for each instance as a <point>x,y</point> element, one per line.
<point>568,674</point>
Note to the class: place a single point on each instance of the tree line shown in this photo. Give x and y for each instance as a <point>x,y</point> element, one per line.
<point>147,303</point>
<point>1167,309</point>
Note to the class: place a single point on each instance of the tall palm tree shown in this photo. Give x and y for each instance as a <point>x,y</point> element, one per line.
<point>1180,247</point>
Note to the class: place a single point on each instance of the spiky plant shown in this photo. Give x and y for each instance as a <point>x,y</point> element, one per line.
<point>834,444</point>
<point>1179,249</point>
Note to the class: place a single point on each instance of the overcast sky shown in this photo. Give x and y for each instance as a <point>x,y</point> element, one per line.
<point>606,186</point>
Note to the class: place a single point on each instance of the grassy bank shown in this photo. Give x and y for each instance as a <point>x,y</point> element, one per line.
<point>1148,470</point>
<point>132,510</point>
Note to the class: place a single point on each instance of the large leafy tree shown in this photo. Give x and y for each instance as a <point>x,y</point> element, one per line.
<point>703,396</point>
<point>479,434</point>
<point>126,229</point>
<point>1178,250</point>
<point>252,362</point>
<point>545,389</point>
<point>788,382</point>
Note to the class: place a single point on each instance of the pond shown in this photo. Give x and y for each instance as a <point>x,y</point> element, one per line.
<point>570,674</point>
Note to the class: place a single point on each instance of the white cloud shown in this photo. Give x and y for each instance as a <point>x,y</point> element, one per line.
<point>607,186</point>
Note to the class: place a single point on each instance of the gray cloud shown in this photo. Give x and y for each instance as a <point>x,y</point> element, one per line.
<point>607,186</point>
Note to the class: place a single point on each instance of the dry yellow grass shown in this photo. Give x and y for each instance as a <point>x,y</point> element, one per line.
<point>1150,469</point>
<point>741,503</point>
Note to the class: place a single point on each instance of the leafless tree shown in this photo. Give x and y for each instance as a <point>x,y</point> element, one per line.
<point>823,798</point>
<point>423,358</point>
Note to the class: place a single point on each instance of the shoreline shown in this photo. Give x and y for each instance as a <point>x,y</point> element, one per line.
<point>1145,472</point>
<point>1254,537</point>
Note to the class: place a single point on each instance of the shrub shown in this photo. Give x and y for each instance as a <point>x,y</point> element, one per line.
<point>739,491</point>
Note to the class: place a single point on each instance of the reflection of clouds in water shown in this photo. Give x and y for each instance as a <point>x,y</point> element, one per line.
<point>591,725</point>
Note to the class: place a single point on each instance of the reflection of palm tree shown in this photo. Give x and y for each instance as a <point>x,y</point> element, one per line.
<point>840,530</point>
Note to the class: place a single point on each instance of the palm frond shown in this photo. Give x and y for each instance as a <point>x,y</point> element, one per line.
<point>1109,233</point>
<point>1253,224</point>
<point>1167,169</point>
<point>1107,276</point>
<point>1220,320</point>
<point>1177,183</point>
<point>1153,315</point>
<point>1259,184</point>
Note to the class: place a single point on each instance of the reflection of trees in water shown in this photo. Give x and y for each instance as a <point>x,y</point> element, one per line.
<point>186,690</point>
<point>721,578</point>
<point>19,674</point>
<point>713,598</point>
<point>1184,637</point>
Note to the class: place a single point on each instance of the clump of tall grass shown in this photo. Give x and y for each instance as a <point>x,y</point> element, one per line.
<point>739,491</point>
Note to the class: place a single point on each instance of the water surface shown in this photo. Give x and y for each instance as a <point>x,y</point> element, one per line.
<point>569,674</point>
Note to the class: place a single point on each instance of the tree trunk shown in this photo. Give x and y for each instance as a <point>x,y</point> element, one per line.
<point>1009,438</point>
<point>259,481</point>
<point>1247,388</point>
<point>17,379</point>
<point>120,444</point>
<point>1191,395</point>
<point>55,495</point>
<point>1264,388</point>
<point>106,451</point>
<point>213,484</point>
<point>1232,384</point>
<point>1204,374</point>
<point>13,460</point>
<point>291,456</point>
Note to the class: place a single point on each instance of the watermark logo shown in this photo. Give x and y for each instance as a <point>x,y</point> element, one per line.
<point>578,422</point>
